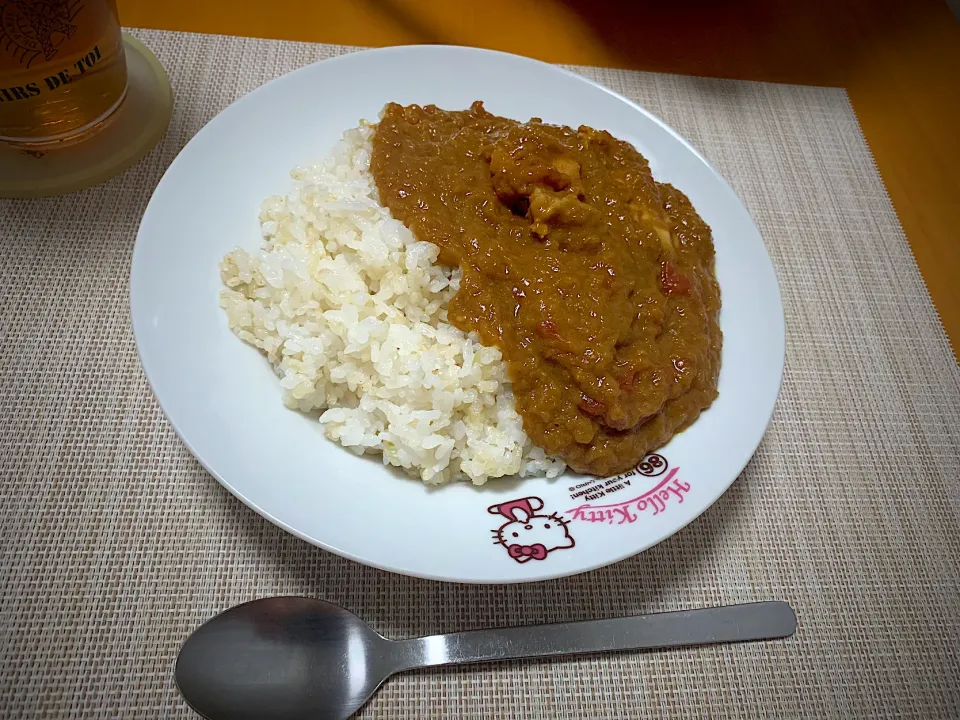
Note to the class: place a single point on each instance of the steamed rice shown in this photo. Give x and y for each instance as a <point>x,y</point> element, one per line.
<point>351,312</point>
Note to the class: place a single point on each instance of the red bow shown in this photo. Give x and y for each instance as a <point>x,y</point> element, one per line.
<point>522,552</point>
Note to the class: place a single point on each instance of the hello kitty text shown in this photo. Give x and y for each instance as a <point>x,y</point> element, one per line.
<point>529,535</point>
<point>668,490</point>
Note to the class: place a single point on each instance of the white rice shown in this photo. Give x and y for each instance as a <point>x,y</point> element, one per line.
<point>351,312</point>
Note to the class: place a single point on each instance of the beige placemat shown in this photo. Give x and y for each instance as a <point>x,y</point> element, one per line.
<point>116,543</point>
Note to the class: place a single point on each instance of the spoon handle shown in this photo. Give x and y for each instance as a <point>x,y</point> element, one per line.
<point>731,623</point>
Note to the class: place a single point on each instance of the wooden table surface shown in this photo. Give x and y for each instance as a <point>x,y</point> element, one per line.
<point>898,59</point>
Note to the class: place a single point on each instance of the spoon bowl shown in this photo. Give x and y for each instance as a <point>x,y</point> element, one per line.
<point>285,659</point>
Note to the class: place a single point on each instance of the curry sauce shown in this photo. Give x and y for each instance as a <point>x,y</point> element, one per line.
<point>595,281</point>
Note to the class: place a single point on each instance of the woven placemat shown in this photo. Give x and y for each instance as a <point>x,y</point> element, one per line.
<point>115,543</point>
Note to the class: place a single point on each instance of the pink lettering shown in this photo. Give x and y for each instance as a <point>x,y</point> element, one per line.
<point>627,512</point>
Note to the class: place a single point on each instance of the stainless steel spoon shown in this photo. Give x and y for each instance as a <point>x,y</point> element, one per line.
<point>289,658</point>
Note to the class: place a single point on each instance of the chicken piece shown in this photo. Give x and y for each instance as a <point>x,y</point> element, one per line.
<point>569,172</point>
<point>558,209</point>
<point>641,213</point>
<point>524,160</point>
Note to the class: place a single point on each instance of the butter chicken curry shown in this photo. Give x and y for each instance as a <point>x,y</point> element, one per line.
<point>595,281</point>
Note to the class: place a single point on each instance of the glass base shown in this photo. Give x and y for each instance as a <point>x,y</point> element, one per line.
<point>129,133</point>
<point>77,135</point>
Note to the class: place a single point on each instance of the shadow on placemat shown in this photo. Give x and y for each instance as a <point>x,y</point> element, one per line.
<point>671,575</point>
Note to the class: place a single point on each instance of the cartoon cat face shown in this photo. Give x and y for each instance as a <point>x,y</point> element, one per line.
<point>528,535</point>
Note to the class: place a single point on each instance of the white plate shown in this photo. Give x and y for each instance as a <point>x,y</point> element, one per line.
<point>225,402</point>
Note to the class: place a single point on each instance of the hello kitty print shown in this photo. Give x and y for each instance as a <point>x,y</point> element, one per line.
<point>528,534</point>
